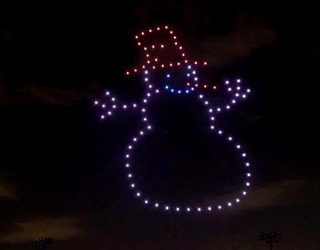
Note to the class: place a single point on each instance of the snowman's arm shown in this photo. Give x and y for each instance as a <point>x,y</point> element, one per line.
<point>235,93</point>
<point>109,105</point>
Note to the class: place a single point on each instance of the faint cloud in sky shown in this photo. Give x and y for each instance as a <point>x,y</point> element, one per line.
<point>34,92</point>
<point>248,33</point>
<point>56,228</point>
<point>276,194</point>
<point>7,187</point>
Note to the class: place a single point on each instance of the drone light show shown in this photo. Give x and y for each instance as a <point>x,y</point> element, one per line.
<point>164,54</point>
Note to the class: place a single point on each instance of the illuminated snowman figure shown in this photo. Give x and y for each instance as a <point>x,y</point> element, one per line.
<point>155,56</point>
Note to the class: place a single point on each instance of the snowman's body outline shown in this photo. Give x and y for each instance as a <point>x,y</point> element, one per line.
<point>113,104</point>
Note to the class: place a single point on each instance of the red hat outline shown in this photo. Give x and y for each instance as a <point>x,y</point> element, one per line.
<point>149,48</point>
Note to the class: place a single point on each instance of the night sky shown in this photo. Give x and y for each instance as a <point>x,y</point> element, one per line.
<point>61,167</point>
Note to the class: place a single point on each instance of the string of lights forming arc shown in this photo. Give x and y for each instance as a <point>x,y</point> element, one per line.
<point>236,93</point>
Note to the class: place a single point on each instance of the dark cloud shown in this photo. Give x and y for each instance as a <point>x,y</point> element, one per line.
<point>247,34</point>
<point>38,93</point>
<point>58,228</point>
<point>276,194</point>
<point>7,187</point>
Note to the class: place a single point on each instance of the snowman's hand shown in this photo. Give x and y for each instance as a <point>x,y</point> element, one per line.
<point>109,105</point>
<point>236,92</point>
